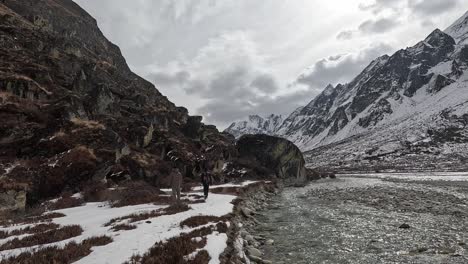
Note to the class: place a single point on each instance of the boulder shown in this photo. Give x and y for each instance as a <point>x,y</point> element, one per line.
<point>12,196</point>
<point>276,154</point>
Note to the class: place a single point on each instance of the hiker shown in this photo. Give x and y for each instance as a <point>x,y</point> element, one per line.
<point>205,177</point>
<point>176,183</point>
<point>206,180</point>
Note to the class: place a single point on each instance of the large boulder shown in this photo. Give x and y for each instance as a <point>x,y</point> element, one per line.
<point>12,196</point>
<point>276,154</point>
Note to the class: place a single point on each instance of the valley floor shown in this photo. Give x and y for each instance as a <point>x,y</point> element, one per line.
<point>378,218</point>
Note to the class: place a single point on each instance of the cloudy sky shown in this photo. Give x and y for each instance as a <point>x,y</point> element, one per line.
<point>226,59</point>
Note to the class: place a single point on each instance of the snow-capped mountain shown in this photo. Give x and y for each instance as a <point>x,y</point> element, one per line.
<point>402,109</point>
<point>406,110</point>
<point>256,125</point>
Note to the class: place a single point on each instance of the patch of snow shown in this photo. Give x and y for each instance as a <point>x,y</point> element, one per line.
<point>215,245</point>
<point>242,184</point>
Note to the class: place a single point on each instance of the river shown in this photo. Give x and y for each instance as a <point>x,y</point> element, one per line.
<point>385,218</point>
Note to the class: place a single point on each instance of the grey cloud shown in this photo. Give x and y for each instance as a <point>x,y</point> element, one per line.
<point>227,84</point>
<point>345,35</point>
<point>377,26</point>
<point>265,83</point>
<point>381,5</point>
<point>324,72</point>
<point>163,78</point>
<point>431,7</point>
<point>224,112</point>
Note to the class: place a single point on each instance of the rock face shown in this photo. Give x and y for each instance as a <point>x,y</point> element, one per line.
<point>256,125</point>
<point>72,111</point>
<point>275,154</point>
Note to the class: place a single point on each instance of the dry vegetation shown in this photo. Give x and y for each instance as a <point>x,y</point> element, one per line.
<point>47,237</point>
<point>174,209</point>
<point>131,193</point>
<point>65,202</point>
<point>121,227</point>
<point>29,230</point>
<point>200,220</point>
<point>68,254</point>
<point>33,215</point>
<point>90,124</point>
<point>140,193</point>
<point>175,249</point>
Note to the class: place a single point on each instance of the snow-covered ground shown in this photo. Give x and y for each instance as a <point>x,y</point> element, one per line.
<point>92,217</point>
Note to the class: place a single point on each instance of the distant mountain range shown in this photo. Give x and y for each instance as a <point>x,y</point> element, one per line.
<point>408,111</point>
<point>256,125</point>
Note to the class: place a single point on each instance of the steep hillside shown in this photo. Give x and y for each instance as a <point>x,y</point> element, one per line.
<point>73,113</point>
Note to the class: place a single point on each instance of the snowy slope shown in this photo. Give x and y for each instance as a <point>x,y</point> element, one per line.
<point>256,125</point>
<point>459,29</point>
<point>407,109</point>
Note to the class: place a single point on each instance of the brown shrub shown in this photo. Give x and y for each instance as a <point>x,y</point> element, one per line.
<point>44,238</point>
<point>201,258</point>
<point>32,215</point>
<point>174,250</point>
<point>46,217</point>
<point>29,230</point>
<point>227,190</point>
<point>68,254</point>
<point>200,220</point>
<point>99,192</point>
<point>135,193</point>
<point>174,209</point>
<point>66,202</point>
<point>123,227</point>
<point>90,124</point>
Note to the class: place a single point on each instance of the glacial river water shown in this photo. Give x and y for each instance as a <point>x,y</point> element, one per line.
<point>361,220</point>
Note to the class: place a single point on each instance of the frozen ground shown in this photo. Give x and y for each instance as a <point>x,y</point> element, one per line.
<point>357,219</point>
<point>92,217</point>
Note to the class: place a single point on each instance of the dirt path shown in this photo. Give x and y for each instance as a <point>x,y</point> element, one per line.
<point>368,220</point>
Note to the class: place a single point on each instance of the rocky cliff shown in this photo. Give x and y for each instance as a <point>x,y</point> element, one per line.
<point>73,113</point>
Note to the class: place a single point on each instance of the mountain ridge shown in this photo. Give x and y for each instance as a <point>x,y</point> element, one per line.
<point>395,103</point>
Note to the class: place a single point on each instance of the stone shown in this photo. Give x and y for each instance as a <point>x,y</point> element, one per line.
<point>269,242</point>
<point>246,212</point>
<point>404,226</point>
<point>253,252</point>
<point>250,239</point>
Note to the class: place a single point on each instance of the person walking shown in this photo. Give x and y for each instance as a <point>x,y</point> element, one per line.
<point>206,181</point>
<point>176,183</point>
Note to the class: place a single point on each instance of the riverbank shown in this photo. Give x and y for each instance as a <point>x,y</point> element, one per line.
<point>368,219</point>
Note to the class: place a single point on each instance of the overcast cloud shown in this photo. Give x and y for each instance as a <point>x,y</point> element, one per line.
<point>232,58</point>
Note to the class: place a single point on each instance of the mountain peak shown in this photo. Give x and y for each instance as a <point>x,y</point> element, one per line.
<point>438,39</point>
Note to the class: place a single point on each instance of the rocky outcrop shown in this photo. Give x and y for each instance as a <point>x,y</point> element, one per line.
<point>72,111</point>
<point>12,196</point>
<point>278,156</point>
